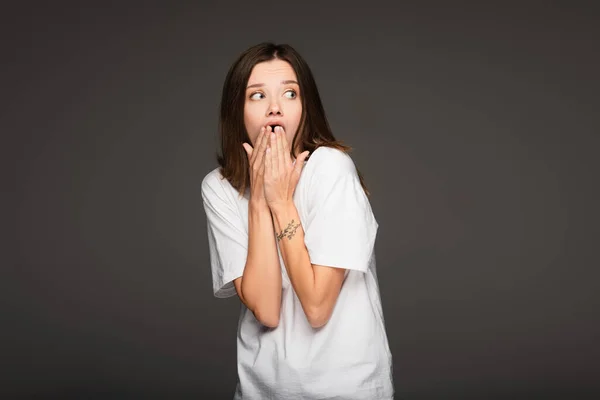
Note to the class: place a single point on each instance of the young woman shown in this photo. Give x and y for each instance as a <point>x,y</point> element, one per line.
<point>293,237</point>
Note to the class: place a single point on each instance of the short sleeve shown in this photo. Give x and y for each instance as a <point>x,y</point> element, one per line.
<point>227,236</point>
<point>340,227</point>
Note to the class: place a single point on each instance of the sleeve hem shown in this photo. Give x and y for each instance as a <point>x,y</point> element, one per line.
<point>227,288</point>
<point>328,261</point>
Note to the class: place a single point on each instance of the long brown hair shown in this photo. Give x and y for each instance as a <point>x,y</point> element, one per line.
<point>313,132</point>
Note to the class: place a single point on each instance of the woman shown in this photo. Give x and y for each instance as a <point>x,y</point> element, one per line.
<point>293,237</point>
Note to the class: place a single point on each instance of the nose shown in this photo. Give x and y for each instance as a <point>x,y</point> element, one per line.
<point>274,109</point>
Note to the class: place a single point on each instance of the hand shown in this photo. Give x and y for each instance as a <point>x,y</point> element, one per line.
<point>256,159</point>
<point>281,175</point>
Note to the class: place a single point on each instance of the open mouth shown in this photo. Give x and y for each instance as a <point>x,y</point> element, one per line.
<point>273,127</point>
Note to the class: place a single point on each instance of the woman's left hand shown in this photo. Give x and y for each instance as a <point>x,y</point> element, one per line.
<point>281,174</point>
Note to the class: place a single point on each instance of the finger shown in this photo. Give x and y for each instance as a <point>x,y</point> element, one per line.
<point>299,164</point>
<point>268,169</point>
<point>261,170</point>
<point>259,140</point>
<point>249,150</point>
<point>286,148</point>
<point>261,145</point>
<point>259,179</point>
<point>281,159</point>
<point>274,158</point>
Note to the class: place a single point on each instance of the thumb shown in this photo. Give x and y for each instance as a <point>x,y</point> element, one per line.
<point>249,149</point>
<point>299,164</point>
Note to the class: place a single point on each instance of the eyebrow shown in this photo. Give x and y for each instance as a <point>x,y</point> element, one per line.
<point>282,82</point>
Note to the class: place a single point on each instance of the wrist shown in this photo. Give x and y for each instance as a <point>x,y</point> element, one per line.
<point>258,207</point>
<point>283,212</point>
<point>286,221</point>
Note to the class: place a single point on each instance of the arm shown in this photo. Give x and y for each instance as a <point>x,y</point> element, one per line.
<point>259,288</point>
<point>317,287</point>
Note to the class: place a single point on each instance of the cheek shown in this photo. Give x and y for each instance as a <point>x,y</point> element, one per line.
<point>253,138</point>
<point>298,115</point>
<point>290,137</point>
<point>251,127</point>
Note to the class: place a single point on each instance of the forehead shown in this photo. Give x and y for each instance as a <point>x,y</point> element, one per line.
<point>271,71</point>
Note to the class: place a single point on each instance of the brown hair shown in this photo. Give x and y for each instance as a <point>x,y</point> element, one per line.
<point>313,132</point>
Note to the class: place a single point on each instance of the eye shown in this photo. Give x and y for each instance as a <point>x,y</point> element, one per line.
<point>290,94</point>
<point>256,96</point>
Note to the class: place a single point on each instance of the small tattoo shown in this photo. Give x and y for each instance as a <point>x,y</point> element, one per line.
<point>289,231</point>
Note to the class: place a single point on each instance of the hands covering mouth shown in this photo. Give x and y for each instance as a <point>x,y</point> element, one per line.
<point>273,173</point>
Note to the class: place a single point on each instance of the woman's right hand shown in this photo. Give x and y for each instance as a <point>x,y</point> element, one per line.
<point>256,160</point>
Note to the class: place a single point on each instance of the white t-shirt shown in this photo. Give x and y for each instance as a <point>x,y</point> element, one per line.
<point>349,357</point>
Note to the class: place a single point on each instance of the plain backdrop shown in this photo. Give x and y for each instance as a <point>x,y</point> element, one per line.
<point>475,126</point>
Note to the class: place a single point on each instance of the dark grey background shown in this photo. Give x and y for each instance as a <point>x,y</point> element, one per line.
<point>476,127</point>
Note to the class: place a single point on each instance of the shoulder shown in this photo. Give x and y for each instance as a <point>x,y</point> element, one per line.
<point>211,180</point>
<point>215,186</point>
<point>330,161</point>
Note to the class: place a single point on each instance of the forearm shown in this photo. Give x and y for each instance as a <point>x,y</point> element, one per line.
<point>261,282</point>
<point>297,261</point>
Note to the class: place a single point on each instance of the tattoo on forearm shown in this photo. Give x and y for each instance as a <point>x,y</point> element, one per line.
<point>289,231</point>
